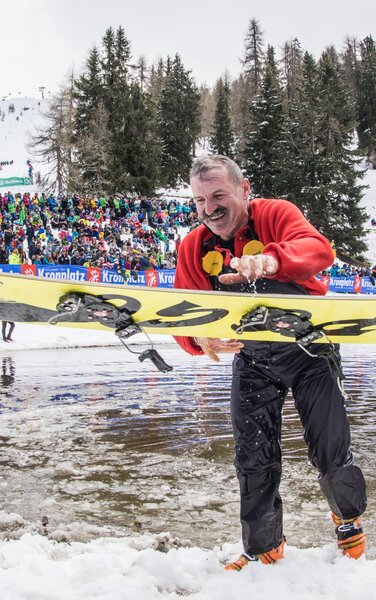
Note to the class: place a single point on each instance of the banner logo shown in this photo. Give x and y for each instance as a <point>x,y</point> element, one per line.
<point>151,278</point>
<point>29,270</point>
<point>93,274</point>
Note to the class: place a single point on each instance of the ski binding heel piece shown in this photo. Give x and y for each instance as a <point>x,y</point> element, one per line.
<point>84,308</point>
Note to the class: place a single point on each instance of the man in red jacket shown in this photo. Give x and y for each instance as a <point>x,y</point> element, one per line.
<point>267,246</point>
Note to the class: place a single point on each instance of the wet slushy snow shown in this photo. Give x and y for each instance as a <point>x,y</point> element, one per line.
<point>117,480</point>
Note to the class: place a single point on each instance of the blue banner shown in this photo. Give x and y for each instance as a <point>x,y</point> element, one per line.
<point>367,287</point>
<point>341,284</point>
<point>348,285</point>
<point>163,278</point>
<point>11,269</point>
<point>68,272</point>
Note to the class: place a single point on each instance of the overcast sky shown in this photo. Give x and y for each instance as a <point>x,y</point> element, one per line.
<point>42,40</point>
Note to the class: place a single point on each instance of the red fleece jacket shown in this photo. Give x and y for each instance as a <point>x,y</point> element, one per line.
<point>301,251</point>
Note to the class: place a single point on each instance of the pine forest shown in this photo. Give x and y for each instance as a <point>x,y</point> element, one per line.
<point>300,128</point>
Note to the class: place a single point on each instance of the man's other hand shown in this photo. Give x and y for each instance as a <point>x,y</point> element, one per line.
<point>214,346</point>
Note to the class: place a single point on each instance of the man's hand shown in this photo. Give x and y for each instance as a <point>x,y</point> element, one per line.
<point>214,346</point>
<point>250,267</point>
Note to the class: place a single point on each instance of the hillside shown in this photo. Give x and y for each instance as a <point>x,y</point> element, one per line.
<point>18,117</point>
<point>28,114</point>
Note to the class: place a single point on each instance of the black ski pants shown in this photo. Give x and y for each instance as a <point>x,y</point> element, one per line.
<point>262,374</point>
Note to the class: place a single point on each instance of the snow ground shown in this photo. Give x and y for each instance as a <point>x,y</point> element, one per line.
<point>35,568</point>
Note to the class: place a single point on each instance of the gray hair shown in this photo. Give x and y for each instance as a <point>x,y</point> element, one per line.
<point>207,163</point>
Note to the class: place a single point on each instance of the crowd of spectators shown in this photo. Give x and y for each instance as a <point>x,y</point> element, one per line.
<point>347,270</point>
<point>122,234</point>
<point>117,233</point>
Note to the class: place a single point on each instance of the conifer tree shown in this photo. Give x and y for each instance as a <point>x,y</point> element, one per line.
<point>118,103</point>
<point>178,122</point>
<point>115,63</point>
<point>207,111</point>
<point>116,141</point>
<point>142,68</point>
<point>94,152</point>
<point>339,210</point>
<point>291,69</point>
<point>351,67</point>
<point>305,113</point>
<point>247,86</point>
<point>367,100</point>
<point>253,57</point>
<point>222,139</point>
<point>268,144</point>
<point>88,92</point>
<point>240,99</point>
<point>140,150</point>
<point>156,80</point>
<point>328,171</point>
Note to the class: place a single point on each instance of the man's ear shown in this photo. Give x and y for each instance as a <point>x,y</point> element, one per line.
<point>246,188</point>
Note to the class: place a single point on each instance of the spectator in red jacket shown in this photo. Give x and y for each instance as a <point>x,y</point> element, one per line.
<point>267,246</point>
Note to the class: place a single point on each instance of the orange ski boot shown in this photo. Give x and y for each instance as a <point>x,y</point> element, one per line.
<point>351,538</point>
<point>267,558</point>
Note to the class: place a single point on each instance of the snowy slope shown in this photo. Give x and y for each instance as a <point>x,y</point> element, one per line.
<point>14,129</point>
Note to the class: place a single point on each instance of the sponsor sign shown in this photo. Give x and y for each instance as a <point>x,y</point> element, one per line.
<point>12,181</point>
<point>357,284</point>
<point>349,285</point>
<point>151,278</point>
<point>68,272</point>
<point>93,274</point>
<point>166,278</point>
<point>29,270</point>
<point>111,277</point>
<point>367,287</point>
<point>341,284</point>
<point>16,269</point>
<point>163,278</point>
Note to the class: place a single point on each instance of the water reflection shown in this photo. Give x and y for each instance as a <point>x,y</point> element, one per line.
<point>7,371</point>
<point>90,436</point>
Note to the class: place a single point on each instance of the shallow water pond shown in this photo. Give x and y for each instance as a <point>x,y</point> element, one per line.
<point>94,437</point>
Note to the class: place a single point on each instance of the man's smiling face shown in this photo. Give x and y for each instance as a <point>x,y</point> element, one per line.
<point>222,203</point>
